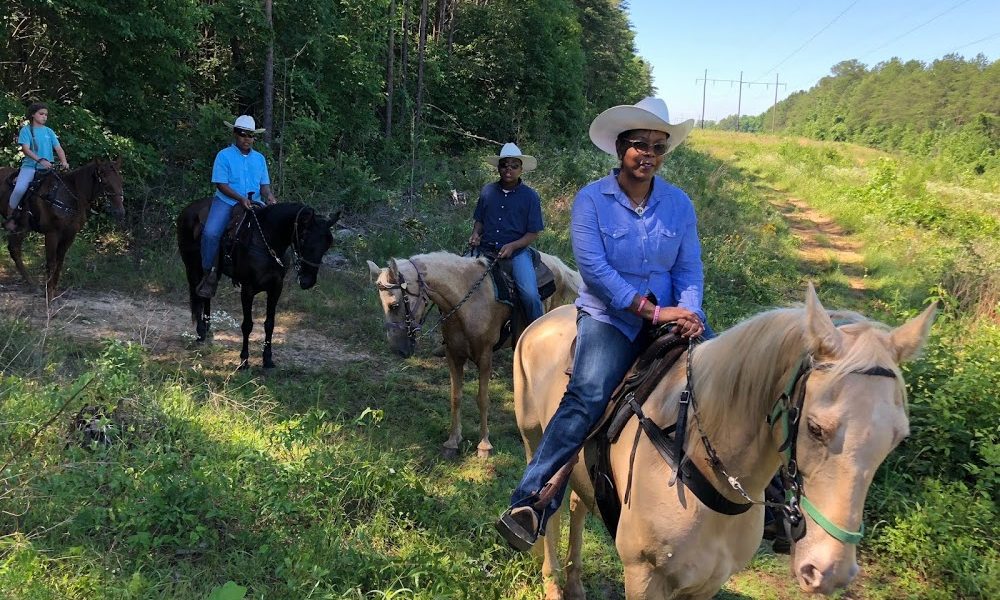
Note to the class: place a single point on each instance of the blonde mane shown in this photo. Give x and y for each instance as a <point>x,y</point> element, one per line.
<point>740,374</point>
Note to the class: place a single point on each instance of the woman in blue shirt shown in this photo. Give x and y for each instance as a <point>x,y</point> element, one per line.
<point>38,143</point>
<point>636,244</point>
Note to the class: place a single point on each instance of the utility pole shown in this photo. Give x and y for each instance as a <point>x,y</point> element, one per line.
<point>739,101</point>
<point>704,84</point>
<point>774,107</point>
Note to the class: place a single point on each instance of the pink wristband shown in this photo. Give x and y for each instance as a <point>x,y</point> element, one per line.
<point>656,315</point>
<point>642,303</point>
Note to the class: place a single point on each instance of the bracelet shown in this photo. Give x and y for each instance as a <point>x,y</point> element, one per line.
<point>641,304</point>
<point>656,315</point>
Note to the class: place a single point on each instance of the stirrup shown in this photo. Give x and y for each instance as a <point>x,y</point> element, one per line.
<point>519,527</point>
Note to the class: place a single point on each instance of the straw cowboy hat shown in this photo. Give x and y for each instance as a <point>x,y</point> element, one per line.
<point>510,150</point>
<point>244,122</point>
<point>649,113</point>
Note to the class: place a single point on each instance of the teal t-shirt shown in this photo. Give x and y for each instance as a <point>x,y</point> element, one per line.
<point>44,144</point>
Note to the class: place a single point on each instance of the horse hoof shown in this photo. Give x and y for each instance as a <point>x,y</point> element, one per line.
<point>244,365</point>
<point>484,453</point>
<point>269,364</point>
<point>449,453</point>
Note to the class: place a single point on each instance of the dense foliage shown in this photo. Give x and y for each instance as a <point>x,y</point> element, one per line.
<point>948,110</point>
<point>162,74</point>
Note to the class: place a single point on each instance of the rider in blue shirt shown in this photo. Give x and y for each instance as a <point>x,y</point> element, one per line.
<point>38,144</point>
<point>635,240</point>
<point>239,173</point>
<point>507,220</point>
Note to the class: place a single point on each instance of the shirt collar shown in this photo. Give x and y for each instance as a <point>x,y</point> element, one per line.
<point>512,190</point>
<point>609,185</point>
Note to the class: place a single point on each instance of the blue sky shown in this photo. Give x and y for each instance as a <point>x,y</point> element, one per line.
<point>762,39</point>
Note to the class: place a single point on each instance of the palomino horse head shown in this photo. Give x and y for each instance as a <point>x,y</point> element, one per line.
<point>405,303</point>
<point>311,239</point>
<point>110,184</point>
<point>853,414</point>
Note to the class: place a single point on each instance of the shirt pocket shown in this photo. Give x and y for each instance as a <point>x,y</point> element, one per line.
<point>622,252</point>
<point>667,244</point>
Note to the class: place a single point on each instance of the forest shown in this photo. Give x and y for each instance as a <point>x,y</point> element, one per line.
<point>947,111</point>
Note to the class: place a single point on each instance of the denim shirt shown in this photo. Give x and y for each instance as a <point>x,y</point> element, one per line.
<point>621,253</point>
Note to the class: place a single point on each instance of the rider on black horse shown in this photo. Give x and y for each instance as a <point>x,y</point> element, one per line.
<point>239,173</point>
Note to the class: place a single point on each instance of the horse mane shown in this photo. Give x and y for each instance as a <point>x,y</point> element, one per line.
<point>740,374</point>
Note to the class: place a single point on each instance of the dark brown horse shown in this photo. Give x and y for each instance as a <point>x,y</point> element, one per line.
<point>58,210</point>
<point>260,264</point>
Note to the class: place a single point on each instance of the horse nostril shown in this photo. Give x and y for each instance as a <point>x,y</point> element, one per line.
<point>811,577</point>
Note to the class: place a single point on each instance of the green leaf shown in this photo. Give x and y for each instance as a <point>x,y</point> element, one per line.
<point>230,591</point>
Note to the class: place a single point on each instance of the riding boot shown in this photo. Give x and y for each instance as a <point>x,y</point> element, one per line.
<point>209,282</point>
<point>13,224</point>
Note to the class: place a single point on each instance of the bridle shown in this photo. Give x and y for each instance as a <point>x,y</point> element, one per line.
<point>411,324</point>
<point>787,411</point>
<point>296,244</point>
<point>100,184</point>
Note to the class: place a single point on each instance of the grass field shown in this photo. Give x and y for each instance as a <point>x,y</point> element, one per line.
<point>323,479</point>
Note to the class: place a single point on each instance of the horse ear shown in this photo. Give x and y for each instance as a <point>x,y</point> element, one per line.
<point>373,270</point>
<point>393,271</point>
<point>909,338</point>
<point>823,337</point>
<point>118,162</point>
<point>334,217</point>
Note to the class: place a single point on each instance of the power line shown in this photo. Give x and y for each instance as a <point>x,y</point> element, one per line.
<point>815,35</point>
<point>987,38</point>
<point>908,32</point>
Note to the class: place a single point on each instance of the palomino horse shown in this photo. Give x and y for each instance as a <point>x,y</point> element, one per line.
<point>407,288</point>
<point>59,211</point>
<point>671,545</point>
<point>260,264</point>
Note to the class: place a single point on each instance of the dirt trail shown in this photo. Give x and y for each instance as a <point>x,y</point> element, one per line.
<point>822,243</point>
<point>166,331</point>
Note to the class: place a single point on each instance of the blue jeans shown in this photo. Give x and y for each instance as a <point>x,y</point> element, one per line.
<point>211,236</point>
<point>527,283</point>
<point>603,356</point>
<point>24,177</point>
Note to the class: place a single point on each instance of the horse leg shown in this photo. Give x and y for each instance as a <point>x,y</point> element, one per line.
<point>64,242</point>
<point>456,369</point>
<point>485,363</point>
<point>577,516</point>
<point>246,297</point>
<point>550,556</point>
<point>15,241</point>
<point>272,304</point>
<point>53,262</point>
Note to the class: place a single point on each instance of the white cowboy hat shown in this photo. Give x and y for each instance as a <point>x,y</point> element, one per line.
<point>244,122</point>
<point>510,150</point>
<point>649,113</point>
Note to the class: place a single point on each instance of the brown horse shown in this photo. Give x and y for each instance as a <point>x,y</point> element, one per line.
<point>848,393</point>
<point>444,279</point>
<point>58,210</point>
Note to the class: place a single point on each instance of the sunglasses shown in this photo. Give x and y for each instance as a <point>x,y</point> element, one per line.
<point>659,148</point>
<point>246,134</point>
<point>509,165</point>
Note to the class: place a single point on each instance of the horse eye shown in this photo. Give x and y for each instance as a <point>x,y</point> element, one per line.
<point>394,306</point>
<point>815,430</point>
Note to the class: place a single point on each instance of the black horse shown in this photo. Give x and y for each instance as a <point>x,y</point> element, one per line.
<point>259,262</point>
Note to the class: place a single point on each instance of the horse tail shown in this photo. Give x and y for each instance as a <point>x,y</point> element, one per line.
<point>568,282</point>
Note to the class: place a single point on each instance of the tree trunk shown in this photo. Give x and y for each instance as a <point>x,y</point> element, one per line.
<point>420,59</point>
<point>268,116</point>
<point>404,58</point>
<point>390,57</point>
